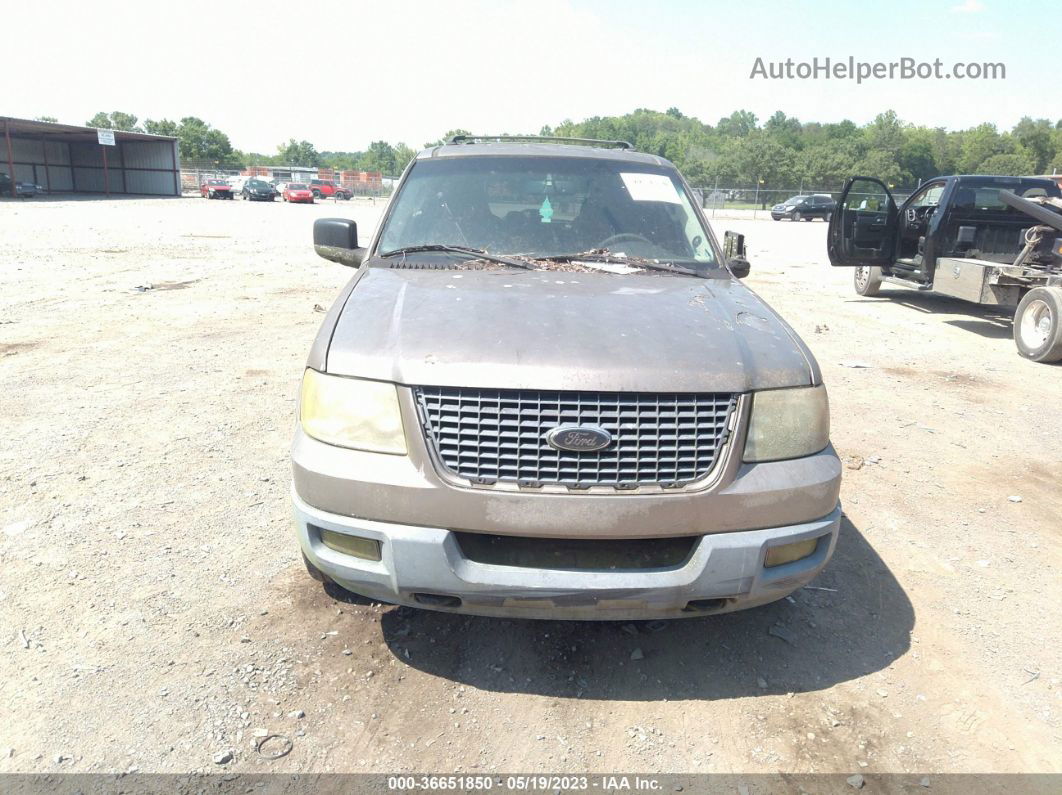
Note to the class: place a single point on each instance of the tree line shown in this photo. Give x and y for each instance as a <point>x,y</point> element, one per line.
<point>737,151</point>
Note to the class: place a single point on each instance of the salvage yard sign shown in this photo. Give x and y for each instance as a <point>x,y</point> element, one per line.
<point>105,137</point>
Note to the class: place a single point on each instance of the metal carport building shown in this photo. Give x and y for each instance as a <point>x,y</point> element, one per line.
<point>64,158</point>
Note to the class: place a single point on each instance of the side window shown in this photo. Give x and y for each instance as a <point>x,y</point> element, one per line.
<point>927,197</point>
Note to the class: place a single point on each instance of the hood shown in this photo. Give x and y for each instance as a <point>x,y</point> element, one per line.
<point>564,330</point>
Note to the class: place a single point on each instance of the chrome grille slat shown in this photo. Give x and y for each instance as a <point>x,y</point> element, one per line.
<point>500,435</point>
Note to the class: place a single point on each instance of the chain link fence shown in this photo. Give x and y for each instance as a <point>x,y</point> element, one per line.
<point>757,202</point>
<point>192,176</point>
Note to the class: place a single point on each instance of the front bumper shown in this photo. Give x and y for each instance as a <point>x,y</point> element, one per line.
<point>424,566</point>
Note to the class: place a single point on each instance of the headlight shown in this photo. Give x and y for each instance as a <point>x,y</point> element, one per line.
<point>788,423</point>
<point>350,412</point>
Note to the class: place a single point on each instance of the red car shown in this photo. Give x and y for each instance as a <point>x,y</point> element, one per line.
<point>215,189</point>
<point>324,189</point>
<point>297,192</point>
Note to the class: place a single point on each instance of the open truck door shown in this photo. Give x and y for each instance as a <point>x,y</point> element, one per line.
<point>863,228</point>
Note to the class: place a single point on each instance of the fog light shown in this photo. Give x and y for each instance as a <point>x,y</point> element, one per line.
<point>787,553</point>
<point>364,548</point>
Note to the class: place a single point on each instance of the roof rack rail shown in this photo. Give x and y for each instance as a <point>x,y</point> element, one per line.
<point>471,139</point>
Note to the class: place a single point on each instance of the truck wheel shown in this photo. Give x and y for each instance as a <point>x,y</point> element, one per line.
<point>313,571</point>
<point>1038,325</point>
<point>317,194</point>
<point>867,280</point>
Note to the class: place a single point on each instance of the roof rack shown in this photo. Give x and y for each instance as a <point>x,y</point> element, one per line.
<point>471,139</point>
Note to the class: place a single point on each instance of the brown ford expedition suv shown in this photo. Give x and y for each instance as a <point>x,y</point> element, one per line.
<point>545,393</point>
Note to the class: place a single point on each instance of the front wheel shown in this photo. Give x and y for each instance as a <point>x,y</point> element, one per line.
<point>867,280</point>
<point>314,572</point>
<point>317,194</point>
<point>796,216</point>
<point>1038,325</point>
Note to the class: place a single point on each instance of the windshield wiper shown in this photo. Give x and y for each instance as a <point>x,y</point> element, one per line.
<point>472,253</point>
<point>633,262</point>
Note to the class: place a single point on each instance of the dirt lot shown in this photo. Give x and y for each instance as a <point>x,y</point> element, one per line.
<point>154,612</point>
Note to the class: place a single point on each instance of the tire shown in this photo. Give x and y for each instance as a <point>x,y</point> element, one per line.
<point>314,572</point>
<point>317,194</point>
<point>1038,325</point>
<point>867,280</point>
<point>796,216</point>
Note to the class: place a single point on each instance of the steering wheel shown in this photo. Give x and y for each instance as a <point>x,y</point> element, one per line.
<point>624,236</point>
<point>919,216</point>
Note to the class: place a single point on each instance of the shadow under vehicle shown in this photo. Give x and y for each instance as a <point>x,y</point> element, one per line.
<point>856,609</point>
<point>994,241</point>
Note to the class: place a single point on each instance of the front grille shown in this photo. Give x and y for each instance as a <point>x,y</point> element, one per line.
<point>492,435</point>
<point>578,554</point>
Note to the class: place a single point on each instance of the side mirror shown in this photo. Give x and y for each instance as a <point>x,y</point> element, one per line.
<point>734,251</point>
<point>336,239</point>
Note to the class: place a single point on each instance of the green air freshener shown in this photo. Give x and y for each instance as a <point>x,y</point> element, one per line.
<point>546,211</point>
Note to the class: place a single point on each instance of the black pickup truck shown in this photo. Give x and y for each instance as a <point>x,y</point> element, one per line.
<point>986,239</point>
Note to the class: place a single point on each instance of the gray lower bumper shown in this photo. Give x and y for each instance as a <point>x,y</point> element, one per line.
<point>724,572</point>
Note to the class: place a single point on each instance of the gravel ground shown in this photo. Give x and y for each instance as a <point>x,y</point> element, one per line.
<point>154,614</point>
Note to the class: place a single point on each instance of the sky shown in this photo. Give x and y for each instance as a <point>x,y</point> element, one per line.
<point>343,74</point>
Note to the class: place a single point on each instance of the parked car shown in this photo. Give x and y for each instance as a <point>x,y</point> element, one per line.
<point>607,424</point>
<point>327,189</point>
<point>258,190</point>
<point>24,190</point>
<point>298,192</point>
<point>805,208</point>
<point>968,237</point>
<point>215,189</point>
<point>279,187</point>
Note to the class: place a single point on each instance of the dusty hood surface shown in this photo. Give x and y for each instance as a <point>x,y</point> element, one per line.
<point>562,330</point>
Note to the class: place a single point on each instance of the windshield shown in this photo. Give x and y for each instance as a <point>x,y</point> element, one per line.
<point>796,200</point>
<point>296,186</point>
<point>546,206</point>
<point>257,183</point>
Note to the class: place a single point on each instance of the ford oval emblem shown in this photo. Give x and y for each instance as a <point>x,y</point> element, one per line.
<point>579,438</point>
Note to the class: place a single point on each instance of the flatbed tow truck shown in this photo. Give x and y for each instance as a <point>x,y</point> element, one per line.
<point>991,240</point>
